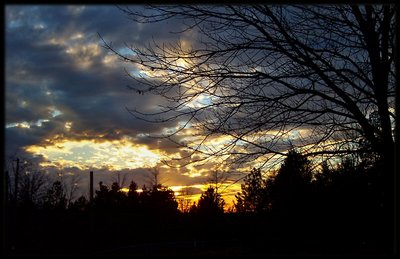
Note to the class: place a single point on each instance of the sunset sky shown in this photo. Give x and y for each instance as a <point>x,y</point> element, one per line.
<point>66,98</point>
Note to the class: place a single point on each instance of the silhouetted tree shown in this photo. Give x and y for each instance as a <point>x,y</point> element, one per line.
<point>209,204</point>
<point>350,199</point>
<point>102,198</point>
<point>323,177</point>
<point>32,183</point>
<point>254,196</point>
<point>326,69</point>
<point>79,205</point>
<point>160,199</point>
<point>184,202</point>
<point>217,179</point>
<point>292,185</point>
<point>69,184</point>
<point>116,196</point>
<point>120,179</point>
<point>103,191</point>
<point>133,196</point>
<point>56,198</point>
<point>154,177</point>
<point>112,199</point>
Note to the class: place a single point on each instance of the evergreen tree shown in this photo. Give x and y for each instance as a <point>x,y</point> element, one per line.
<point>210,203</point>
<point>102,200</point>
<point>254,196</point>
<point>291,186</point>
<point>132,202</point>
<point>159,199</point>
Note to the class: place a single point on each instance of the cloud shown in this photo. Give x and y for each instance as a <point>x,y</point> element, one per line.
<point>63,87</point>
<point>62,65</point>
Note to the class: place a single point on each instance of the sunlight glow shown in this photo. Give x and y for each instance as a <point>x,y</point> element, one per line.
<point>227,191</point>
<point>90,154</point>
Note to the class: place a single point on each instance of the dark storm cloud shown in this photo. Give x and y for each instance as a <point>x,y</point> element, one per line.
<point>42,75</point>
<point>28,105</point>
<point>18,137</point>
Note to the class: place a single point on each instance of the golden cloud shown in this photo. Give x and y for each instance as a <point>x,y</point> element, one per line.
<point>91,154</point>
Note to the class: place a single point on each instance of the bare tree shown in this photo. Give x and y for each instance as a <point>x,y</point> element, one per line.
<point>120,179</point>
<point>70,185</point>
<point>27,185</point>
<point>155,179</point>
<point>217,179</point>
<point>184,201</point>
<point>318,78</point>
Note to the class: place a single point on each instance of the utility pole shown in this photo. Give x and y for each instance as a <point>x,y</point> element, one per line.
<point>91,187</point>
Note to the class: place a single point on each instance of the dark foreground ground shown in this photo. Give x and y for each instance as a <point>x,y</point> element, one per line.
<point>231,234</point>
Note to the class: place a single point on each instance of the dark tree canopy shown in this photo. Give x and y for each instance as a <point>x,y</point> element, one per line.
<point>56,198</point>
<point>159,199</point>
<point>291,187</point>
<point>210,203</point>
<point>288,189</point>
<point>255,193</point>
<point>316,77</point>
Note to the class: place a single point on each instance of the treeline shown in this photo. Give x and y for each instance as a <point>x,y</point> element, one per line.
<point>345,207</point>
<point>36,191</point>
<point>353,185</point>
<point>299,186</point>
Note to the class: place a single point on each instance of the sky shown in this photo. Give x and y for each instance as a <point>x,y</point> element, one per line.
<point>66,98</point>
